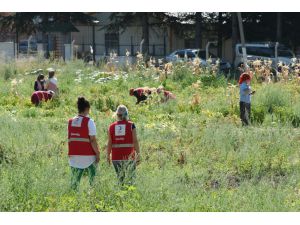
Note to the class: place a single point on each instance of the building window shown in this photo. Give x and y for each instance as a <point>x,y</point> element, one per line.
<point>111,43</point>
<point>189,43</point>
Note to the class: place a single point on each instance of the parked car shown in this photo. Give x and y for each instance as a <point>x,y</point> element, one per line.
<point>263,51</point>
<point>191,54</point>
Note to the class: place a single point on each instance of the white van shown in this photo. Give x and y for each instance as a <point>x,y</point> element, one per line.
<point>263,51</point>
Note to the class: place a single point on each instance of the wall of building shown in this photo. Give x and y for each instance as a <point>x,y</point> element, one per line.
<point>7,50</point>
<point>129,39</point>
<point>227,52</point>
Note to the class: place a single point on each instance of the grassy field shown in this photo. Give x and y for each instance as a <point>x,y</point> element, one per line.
<point>195,154</point>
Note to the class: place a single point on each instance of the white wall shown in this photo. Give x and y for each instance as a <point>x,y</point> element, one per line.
<point>7,50</point>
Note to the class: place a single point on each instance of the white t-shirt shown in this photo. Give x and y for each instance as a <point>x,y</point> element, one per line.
<point>53,80</point>
<point>84,161</point>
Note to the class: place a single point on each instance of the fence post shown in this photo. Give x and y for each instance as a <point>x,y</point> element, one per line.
<point>165,52</point>
<point>131,45</point>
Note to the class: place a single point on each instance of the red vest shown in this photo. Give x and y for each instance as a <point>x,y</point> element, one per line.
<point>78,137</point>
<point>140,91</point>
<point>122,141</point>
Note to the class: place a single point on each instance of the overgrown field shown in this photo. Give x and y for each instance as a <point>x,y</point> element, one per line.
<point>195,154</point>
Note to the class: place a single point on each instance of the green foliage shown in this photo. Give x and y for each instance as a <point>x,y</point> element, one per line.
<point>273,96</point>
<point>213,81</point>
<point>258,114</point>
<point>195,154</point>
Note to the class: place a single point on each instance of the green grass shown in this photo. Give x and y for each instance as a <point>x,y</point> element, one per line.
<point>224,166</point>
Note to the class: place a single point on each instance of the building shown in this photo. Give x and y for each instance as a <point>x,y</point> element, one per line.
<point>162,40</point>
<point>64,40</point>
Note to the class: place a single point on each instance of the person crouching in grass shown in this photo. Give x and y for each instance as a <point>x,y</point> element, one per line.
<point>38,96</point>
<point>245,97</point>
<point>166,95</point>
<point>141,94</point>
<point>84,152</point>
<point>123,147</point>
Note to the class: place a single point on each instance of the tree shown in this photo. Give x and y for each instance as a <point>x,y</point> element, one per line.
<point>234,30</point>
<point>278,26</point>
<point>220,34</point>
<point>198,22</point>
<point>30,23</point>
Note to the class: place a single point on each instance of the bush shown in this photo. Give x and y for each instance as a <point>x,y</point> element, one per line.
<point>183,74</point>
<point>99,104</point>
<point>273,96</point>
<point>258,114</point>
<point>212,81</point>
<point>287,115</point>
<point>9,71</point>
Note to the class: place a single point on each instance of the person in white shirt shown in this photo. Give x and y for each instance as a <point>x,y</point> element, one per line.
<point>51,84</point>
<point>83,147</point>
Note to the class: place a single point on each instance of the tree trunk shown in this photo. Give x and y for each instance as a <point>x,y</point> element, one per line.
<point>220,35</point>
<point>279,26</point>
<point>145,34</point>
<point>234,33</point>
<point>198,30</point>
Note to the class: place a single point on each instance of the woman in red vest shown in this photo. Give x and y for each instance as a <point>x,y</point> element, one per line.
<point>83,148</point>
<point>123,147</point>
<point>38,96</point>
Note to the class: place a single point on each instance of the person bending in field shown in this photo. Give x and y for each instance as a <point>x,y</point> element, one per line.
<point>245,97</point>
<point>166,95</point>
<point>141,94</point>
<point>123,147</point>
<point>38,96</point>
<point>83,148</point>
<point>39,83</point>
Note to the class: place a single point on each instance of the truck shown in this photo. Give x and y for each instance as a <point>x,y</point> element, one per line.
<point>263,51</point>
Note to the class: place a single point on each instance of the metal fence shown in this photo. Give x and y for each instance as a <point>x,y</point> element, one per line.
<point>101,49</point>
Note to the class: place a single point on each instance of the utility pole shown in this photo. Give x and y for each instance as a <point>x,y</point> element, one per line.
<point>279,26</point>
<point>240,21</point>
<point>94,22</point>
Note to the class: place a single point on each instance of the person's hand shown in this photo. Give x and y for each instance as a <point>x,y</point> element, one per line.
<point>138,160</point>
<point>253,92</point>
<point>97,158</point>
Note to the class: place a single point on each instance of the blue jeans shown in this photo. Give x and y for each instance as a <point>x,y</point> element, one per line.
<point>125,170</point>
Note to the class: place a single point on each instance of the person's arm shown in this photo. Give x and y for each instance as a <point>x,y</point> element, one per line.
<point>109,147</point>
<point>136,145</point>
<point>93,140</point>
<point>95,146</point>
<point>47,85</point>
<point>35,86</point>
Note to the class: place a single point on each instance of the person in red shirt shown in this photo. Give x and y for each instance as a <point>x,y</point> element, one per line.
<point>167,95</point>
<point>123,146</point>
<point>38,96</point>
<point>141,94</point>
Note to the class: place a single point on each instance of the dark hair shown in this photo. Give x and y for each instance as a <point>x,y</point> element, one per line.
<point>82,104</point>
<point>51,74</point>
<point>40,77</point>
